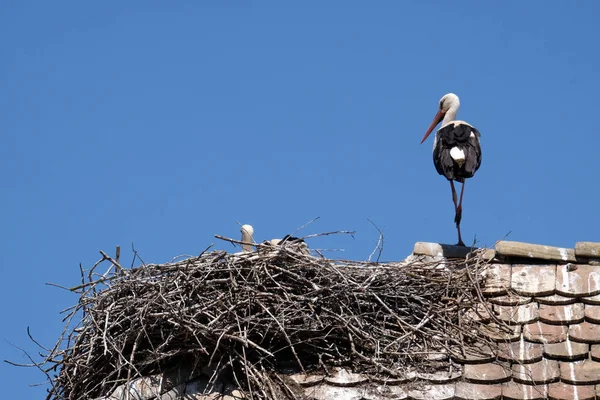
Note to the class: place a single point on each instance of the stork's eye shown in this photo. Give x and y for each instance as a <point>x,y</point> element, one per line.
<point>441,104</point>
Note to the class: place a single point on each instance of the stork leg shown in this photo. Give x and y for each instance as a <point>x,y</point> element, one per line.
<point>458,210</point>
<point>454,199</point>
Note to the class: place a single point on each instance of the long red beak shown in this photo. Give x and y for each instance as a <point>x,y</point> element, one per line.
<point>436,120</point>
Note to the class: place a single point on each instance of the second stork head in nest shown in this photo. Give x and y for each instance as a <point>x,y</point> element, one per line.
<point>292,243</point>
<point>456,150</point>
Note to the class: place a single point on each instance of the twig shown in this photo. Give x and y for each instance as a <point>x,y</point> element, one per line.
<point>379,245</point>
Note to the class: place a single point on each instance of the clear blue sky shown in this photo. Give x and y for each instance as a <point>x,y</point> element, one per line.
<point>164,123</point>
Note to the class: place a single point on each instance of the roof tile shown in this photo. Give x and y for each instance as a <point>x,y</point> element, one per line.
<point>440,376</point>
<point>473,391</point>
<point>557,299</point>
<point>543,333</point>
<point>521,351</point>
<point>388,392</point>
<point>564,391</point>
<point>473,354</point>
<point>510,299</point>
<point>518,391</point>
<point>580,373</point>
<point>578,280</point>
<point>487,373</point>
<point>595,352</point>
<point>533,280</point>
<point>562,315</point>
<point>428,392</point>
<point>518,314</point>
<point>497,279</point>
<point>440,250</point>
<point>592,313</point>
<point>537,251</point>
<point>595,300</point>
<point>585,332</point>
<point>502,333</point>
<point>545,371</point>
<point>567,350</point>
<point>587,249</point>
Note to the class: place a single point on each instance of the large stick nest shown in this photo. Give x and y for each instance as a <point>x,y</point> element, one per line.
<point>251,315</point>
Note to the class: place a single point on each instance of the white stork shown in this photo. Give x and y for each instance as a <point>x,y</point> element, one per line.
<point>456,150</point>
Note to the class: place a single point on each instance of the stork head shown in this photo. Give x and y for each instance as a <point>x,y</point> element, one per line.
<point>447,102</point>
<point>247,231</point>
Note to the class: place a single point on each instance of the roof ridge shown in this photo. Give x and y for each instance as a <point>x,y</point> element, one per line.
<point>582,253</point>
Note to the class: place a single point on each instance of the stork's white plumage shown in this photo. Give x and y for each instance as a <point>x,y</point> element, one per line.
<point>456,150</point>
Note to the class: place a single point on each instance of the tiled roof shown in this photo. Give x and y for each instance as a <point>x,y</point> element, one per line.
<point>548,296</point>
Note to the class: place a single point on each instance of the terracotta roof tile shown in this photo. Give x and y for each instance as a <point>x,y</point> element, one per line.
<point>533,280</point>
<point>557,299</point>
<point>545,371</point>
<point>564,391</point>
<point>391,392</point>
<point>479,354</point>
<point>440,250</point>
<point>518,391</point>
<point>591,299</point>
<point>587,249</point>
<point>595,352</point>
<point>472,391</point>
<point>592,314</point>
<point>585,332</point>
<point>428,392</point>
<point>544,333</point>
<point>562,315</point>
<point>502,333</point>
<point>497,279</point>
<point>487,373</point>
<point>521,351</point>
<point>440,376</point>
<point>510,299</point>
<point>518,314</point>
<point>534,251</point>
<point>567,350</point>
<point>578,280</point>
<point>404,378</point>
<point>580,373</point>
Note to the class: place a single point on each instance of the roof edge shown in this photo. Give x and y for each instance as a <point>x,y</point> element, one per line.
<point>583,252</point>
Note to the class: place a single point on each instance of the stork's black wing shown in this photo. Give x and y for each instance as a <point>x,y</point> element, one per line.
<point>465,138</point>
